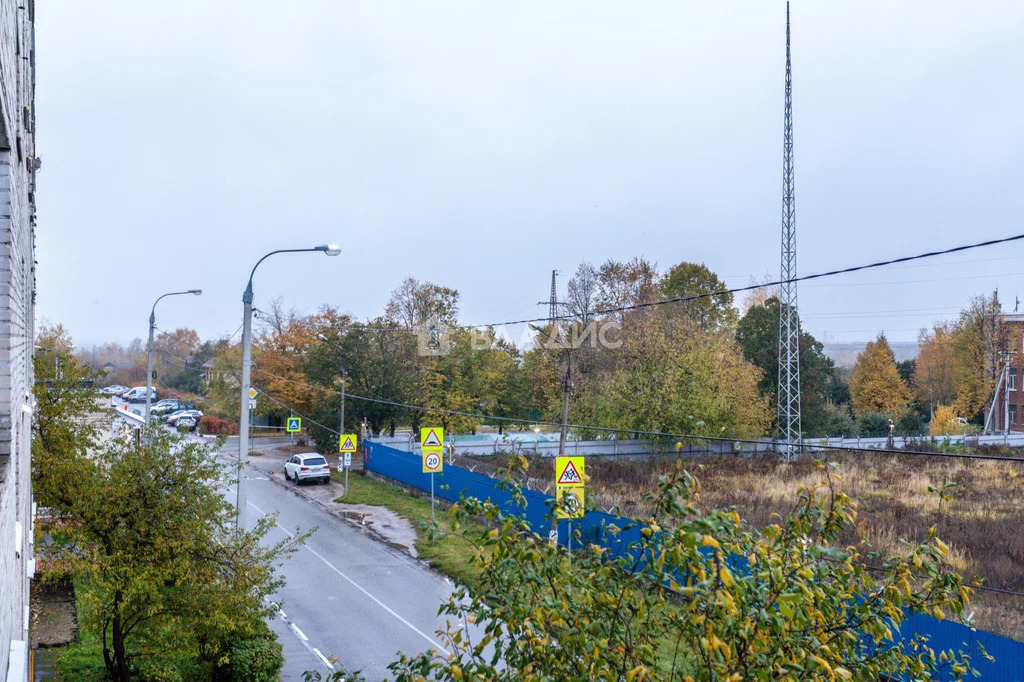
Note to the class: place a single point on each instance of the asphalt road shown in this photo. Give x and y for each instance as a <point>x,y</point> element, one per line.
<point>347,596</point>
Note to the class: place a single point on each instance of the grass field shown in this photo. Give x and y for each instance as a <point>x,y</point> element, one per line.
<point>981,522</point>
<point>447,551</point>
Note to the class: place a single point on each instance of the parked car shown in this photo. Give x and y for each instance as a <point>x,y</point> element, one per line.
<point>114,390</point>
<point>309,467</point>
<point>186,422</point>
<point>166,406</point>
<point>138,394</point>
<point>173,418</point>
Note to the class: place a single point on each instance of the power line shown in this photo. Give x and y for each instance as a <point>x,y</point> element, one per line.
<point>752,287</point>
<point>658,434</point>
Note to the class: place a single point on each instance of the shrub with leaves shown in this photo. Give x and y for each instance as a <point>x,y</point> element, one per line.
<point>698,597</point>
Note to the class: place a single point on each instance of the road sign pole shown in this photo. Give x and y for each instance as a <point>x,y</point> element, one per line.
<point>569,542</point>
<point>345,492</point>
<point>433,522</point>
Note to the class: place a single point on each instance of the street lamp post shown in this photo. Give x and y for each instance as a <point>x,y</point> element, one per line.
<point>149,346</point>
<point>243,419</point>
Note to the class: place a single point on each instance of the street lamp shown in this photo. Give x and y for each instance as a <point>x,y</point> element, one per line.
<point>149,346</point>
<point>341,429</point>
<point>243,420</point>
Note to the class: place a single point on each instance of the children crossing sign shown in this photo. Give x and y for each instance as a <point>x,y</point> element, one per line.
<point>431,437</point>
<point>347,442</point>
<point>294,425</point>
<point>569,472</point>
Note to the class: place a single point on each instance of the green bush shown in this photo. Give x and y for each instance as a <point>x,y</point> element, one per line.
<point>911,425</point>
<point>256,658</point>
<point>873,425</point>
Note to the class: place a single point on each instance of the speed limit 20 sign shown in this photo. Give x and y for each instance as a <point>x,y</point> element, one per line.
<point>433,461</point>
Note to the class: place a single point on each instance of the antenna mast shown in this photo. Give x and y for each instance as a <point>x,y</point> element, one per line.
<point>789,321</point>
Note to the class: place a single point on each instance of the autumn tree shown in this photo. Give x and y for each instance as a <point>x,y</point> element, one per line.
<point>711,313</point>
<point>933,379</point>
<point>875,385</point>
<point>977,342</point>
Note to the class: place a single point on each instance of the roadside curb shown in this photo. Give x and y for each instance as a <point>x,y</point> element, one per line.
<point>352,516</point>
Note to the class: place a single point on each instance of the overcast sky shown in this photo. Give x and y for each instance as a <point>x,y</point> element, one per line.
<point>480,145</point>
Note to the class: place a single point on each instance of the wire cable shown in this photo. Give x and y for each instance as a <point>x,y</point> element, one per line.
<point>752,287</point>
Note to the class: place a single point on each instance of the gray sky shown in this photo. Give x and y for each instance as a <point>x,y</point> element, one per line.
<point>481,145</point>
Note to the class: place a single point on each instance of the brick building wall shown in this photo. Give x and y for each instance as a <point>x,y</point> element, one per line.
<point>17,324</point>
<point>1013,324</point>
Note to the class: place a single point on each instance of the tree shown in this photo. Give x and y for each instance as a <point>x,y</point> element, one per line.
<point>875,385</point>
<point>63,426</point>
<point>678,378</point>
<point>698,596</point>
<point>418,304</point>
<point>691,279</point>
<point>622,284</point>
<point>820,385</point>
<point>583,292</point>
<point>165,574</point>
<point>977,343</point>
<point>945,422</point>
<point>933,379</point>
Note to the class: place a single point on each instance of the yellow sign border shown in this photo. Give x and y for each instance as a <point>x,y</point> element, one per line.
<point>579,463</point>
<point>341,441</point>
<point>440,463</point>
<point>575,492</point>
<point>288,425</point>
<point>425,432</point>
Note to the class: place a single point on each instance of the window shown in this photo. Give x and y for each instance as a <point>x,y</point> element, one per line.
<point>1013,415</point>
<point>313,461</point>
<point>1011,380</point>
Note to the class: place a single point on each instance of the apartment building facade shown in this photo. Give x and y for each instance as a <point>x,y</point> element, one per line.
<point>18,166</point>
<point>1008,410</point>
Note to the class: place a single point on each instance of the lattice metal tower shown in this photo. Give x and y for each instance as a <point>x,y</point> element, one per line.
<point>553,301</point>
<point>789,322</point>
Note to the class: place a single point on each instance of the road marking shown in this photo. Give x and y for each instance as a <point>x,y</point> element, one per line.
<point>323,658</point>
<point>360,587</point>
<point>299,632</point>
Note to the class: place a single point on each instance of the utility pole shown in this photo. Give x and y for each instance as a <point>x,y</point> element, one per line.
<point>341,428</point>
<point>566,384</point>
<point>789,321</point>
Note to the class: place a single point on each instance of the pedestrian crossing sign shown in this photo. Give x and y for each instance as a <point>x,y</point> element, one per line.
<point>294,425</point>
<point>569,472</point>
<point>431,437</point>
<point>347,442</point>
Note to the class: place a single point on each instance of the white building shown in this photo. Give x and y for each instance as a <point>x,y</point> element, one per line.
<point>18,164</point>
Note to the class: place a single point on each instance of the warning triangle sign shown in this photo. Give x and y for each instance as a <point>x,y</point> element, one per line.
<point>432,441</point>
<point>348,445</point>
<point>569,475</point>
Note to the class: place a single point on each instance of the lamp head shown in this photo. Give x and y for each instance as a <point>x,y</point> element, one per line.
<point>329,249</point>
<point>197,292</point>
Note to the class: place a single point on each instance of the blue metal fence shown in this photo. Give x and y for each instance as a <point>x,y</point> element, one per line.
<point>454,482</point>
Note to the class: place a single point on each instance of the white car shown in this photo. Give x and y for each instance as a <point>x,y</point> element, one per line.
<point>308,467</point>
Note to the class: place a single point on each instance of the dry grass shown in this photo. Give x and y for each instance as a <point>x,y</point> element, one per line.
<point>981,522</point>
